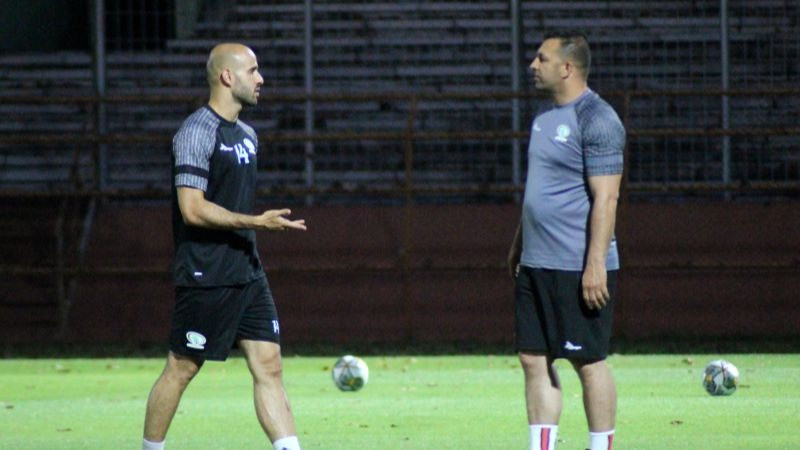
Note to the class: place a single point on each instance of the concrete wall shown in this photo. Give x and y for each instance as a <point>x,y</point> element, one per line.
<point>689,269</point>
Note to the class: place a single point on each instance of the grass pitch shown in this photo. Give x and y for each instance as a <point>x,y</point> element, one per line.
<point>410,402</point>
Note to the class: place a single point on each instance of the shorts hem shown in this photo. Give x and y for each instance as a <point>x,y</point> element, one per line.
<point>560,355</point>
<point>520,349</point>
<point>181,352</point>
<point>262,339</point>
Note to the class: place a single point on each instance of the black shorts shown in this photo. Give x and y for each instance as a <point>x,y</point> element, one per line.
<point>208,321</point>
<point>551,316</point>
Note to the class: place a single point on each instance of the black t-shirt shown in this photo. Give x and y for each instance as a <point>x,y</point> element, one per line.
<point>218,157</point>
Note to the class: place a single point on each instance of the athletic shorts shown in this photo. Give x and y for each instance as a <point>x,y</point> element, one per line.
<point>208,321</point>
<point>551,316</point>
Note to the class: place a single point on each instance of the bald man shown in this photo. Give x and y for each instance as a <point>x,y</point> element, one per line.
<point>222,296</point>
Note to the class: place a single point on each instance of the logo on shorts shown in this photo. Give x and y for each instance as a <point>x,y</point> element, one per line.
<point>570,346</point>
<point>196,340</point>
<point>275,327</point>
<point>562,133</point>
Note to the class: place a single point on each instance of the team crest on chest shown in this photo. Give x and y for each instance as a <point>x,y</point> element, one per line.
<point>562,133</point>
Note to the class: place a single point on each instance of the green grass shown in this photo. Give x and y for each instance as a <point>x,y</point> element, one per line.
<point>411,402</point>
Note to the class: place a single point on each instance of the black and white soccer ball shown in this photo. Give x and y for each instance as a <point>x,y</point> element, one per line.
<point>720,378</point>
<point>350,373</point>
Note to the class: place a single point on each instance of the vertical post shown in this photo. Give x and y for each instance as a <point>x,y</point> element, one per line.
<point>186,14</point>
<point>725,75</point>
<point>620,307</point>
<point>408,151</point>
<point>61,294</point>
<point>99,75</point>
<point>406,273</point>
<point>516,82</point>
<point>309,90</point>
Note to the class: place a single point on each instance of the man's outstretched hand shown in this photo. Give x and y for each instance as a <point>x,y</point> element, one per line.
<point>275,220</point>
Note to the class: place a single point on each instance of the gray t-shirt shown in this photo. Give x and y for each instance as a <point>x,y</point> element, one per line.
<point>569,143</point>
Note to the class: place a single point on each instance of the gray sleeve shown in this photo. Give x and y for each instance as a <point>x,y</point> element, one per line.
<point>192,148</point>
<point>602,138</point>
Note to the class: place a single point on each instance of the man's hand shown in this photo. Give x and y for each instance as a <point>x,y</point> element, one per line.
<point>595,286</point>
<point>513,264</point>
<point>274,220</point>
<point>514,253</point>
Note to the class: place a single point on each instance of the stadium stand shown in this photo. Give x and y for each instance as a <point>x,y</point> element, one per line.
<point>402,47</point>
<point>412,46</point>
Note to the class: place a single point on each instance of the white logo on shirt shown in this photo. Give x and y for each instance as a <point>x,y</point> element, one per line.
<point>243,150</point>
<point>251,148</point>
<point>536,127</point>
<point>241,153</point>
<point>562,133</point>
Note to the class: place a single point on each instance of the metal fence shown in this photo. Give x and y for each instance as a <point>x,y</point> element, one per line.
<point>356,68</point>
<point>421,153</point>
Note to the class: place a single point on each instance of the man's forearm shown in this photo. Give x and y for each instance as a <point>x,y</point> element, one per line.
<point>516,243</point>
<point>210,215</point>
<point>601,228</point>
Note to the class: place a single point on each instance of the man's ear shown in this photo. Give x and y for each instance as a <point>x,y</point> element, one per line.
<point>567,70</point>
<point>226,77</point>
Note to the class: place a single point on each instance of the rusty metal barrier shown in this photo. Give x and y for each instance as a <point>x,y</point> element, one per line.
<point>409,137</point>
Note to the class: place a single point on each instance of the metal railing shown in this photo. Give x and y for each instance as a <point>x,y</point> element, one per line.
<point>647,138</point>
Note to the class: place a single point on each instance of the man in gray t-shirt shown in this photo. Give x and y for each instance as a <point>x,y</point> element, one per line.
<point>564,255</point>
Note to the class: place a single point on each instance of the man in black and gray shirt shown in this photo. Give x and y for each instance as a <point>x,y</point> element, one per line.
<point>222,296</point>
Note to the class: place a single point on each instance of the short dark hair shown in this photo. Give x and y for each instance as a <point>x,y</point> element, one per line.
<point>574,47</point>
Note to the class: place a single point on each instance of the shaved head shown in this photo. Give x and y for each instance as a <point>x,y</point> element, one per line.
<point>232,73</point>
<point>228,56</point>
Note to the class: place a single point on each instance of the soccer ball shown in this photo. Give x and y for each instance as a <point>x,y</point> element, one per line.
<point>350,373</point>
<point>720,378</point>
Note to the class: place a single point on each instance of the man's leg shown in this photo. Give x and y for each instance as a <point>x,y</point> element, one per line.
<point>599,401</point>
<point>599,394</point>
<point>542,398</point>
<point>272,404</point>
<point>166,394</point>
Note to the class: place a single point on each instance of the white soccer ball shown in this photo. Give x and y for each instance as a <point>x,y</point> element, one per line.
<point>350,373</point>
<point>720,378</point>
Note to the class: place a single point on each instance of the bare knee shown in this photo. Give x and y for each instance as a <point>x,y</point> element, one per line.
<point>535,365</point>
<point>181,370</point>
<point>589,370</point>
<point>267,367</point>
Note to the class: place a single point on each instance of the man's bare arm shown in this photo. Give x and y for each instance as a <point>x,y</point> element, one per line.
<point>199,212</point>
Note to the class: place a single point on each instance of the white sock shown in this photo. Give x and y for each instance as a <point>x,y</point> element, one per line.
<point>147,445</point>
<point>287,443</point>
<point>601,440</point>
<point>543,437</point>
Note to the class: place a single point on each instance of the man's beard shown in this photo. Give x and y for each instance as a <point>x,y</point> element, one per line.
<point>245,97</point>
<point>542,86</point>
